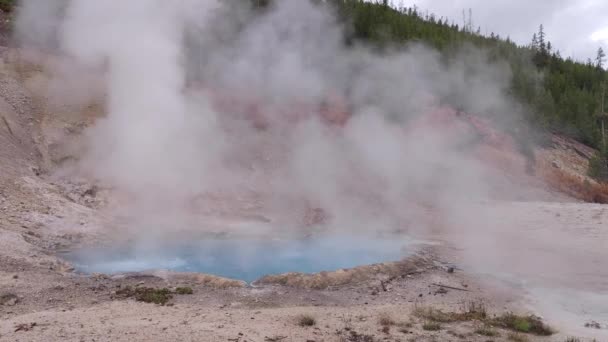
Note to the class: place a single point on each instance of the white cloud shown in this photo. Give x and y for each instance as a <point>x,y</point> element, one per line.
<point>575,27</point>
<point>600,36</point>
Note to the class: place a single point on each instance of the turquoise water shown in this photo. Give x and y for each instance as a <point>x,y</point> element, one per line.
<point>244,259</point>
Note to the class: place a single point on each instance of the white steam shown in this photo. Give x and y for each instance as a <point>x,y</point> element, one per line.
<point>216,109</point>
<point>205,97</point>
<point>150,137</point>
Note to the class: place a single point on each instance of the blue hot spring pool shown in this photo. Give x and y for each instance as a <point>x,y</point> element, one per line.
<point>244,259</point>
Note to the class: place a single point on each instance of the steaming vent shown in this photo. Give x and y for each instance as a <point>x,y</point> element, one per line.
<point>216,110</point>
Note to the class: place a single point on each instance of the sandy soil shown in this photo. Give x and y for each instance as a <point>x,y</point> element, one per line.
<point>73,308</point>
<point>552,253</point>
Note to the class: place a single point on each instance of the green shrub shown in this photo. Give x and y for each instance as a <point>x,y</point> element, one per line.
<point>7,6</point>
<point>146,294</point>
<point>184,290</point>
<point>525,324</point>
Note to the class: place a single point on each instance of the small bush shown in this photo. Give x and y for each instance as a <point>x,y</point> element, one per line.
<point>476,310</point>
<point>147,294</point>
<point>306,321</point>
<point>525,324</point>
<point>434,315</point>
<point>456,334</point>
<point>356,337</point>
<point>518,338</point>
<point>572,339</point>
<point>150,295</point>
<point>487,331</point>
<point>386,320</point>
<point>404,330</point>
<point>431,326</point>
<point>405,324</point>
<point>473,311</point>
<point>184,291</point>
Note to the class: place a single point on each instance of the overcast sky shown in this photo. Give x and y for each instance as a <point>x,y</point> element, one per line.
<point>576,27</point>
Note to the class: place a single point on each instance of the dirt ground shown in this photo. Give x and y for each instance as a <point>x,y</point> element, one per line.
<point>543,254</point>
<point>56,306</point>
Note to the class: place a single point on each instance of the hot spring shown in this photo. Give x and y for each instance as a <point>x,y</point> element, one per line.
<point>245,259</point>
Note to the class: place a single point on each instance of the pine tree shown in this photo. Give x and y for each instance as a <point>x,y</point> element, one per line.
<point>534,44</point>
<point>600,59</point>
<point>542,45</point>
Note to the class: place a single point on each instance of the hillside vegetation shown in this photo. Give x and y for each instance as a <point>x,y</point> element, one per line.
<point>559,94</point>
<point>556,94</point>
<point>7,5</point>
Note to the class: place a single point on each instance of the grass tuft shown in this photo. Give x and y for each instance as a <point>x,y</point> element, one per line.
<point>473,311</point>
<point>487,331</point>
<point>477,312</point>
<point>431,326</point>
<point>518,337</point>
<point>184,290</point>
<point>306,321</point>
<point>386,320</point>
